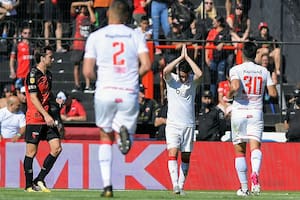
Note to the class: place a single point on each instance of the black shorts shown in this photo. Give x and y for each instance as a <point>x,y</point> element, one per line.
<point>76,56</point>
<point>54,12</point>
<point>35,133</point>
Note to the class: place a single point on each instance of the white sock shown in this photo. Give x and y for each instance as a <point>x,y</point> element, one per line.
<point>105,162</point>
<point>173,171</point>
<point>241,169</point>
<point>256,157</point>
<point>183,171</point>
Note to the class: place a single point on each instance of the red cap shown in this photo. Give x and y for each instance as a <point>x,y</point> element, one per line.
<point>262,24</point>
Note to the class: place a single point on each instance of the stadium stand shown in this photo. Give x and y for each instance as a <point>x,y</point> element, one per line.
<point>63,69</point>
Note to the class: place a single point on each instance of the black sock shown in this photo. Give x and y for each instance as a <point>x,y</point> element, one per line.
<point>48,164</point>
<point>28,171</point>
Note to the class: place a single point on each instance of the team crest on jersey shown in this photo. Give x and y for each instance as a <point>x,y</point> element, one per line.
<point>34,134</point>
<point>32,80</point>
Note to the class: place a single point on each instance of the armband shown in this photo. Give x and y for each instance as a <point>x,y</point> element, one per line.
<point>19,134</point>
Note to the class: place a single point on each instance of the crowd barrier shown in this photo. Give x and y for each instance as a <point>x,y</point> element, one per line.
<point>148,78</point>
<point>145,167</point>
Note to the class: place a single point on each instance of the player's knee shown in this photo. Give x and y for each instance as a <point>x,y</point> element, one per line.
<point>56,151</point>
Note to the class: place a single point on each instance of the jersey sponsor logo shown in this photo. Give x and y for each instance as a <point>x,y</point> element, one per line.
<point>32,80</point>
<point>30,87</point>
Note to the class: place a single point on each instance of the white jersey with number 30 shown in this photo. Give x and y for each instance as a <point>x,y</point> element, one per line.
<point>253,79</point>
<point>116,48</point>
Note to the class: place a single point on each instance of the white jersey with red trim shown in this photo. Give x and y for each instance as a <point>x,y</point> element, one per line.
<point>253,80</point>
<point>181,98</point>
<point>115,48</point>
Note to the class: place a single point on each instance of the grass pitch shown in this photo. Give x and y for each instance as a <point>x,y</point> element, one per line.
<point>57,194</point>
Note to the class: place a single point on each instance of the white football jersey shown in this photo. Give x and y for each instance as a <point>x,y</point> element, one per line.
<point>253,80</point>
<point>181,98</point>
<point>116,48</point>
<point>10,123</point>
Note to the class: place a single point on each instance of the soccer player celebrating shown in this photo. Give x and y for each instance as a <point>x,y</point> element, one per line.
<point>181,90</point>
<point>248,82</point>
<point>121,55</point>
<point>39,123</point>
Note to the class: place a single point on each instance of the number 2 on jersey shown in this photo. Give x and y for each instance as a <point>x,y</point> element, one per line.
<point>119,46</point>
<point>253,85</point>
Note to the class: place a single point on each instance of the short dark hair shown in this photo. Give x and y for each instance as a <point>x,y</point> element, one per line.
<point>249,50</point>
<point>184,67</point>
<point>41,52</point>
<point>121,9</point>
<point>144,18</point>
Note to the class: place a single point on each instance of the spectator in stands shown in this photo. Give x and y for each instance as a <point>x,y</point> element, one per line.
<point>182,11</point>
<point>71,109</point>
<point>117,86</point>
<point>291,122</point>
<point>181,92</point>
<point>296,94</point>
<point>8,91</point>
<point>148,108</point>
<point>265,62</point>
<point>267,48</point>
<point>144,27</point>
<point>210,10</point>
<point>139,10</point>
<point>161,120</point>
<point>200,28</point>
<point>20,92</point>
<point>55,107</point>
<point>239,24</point>
<point>21,57</point>
<point>100,8</point>
<point>216,59</point>
<point>54,13</point>
<point>159,16</point>
<point>246,3</point>
<point>211,120</point>
<point>204,20</point>
<point>9,13</point>
<point>84,18</point>
<point>159,63</point>
<point>12,120</point>
<point>223,89</point>
<point>4,8</point>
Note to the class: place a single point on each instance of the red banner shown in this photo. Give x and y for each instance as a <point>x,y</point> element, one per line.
<point>145,167</point>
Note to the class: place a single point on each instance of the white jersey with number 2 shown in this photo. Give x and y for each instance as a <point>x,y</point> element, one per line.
<point>116,48</point>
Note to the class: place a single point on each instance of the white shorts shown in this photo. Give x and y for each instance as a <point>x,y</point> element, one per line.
<point>114,109</point>
<point>246,124</point>
<point>180,137</point>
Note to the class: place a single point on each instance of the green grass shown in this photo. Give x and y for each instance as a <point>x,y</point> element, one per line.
<point>19,194</point>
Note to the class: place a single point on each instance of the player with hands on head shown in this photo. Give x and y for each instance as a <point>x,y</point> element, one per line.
<point>181,92</point>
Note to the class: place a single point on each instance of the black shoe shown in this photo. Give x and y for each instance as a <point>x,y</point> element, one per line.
<point>76,89</point>
<point>125,143</point>
<point>107,192</point>
<point>89,90</point>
